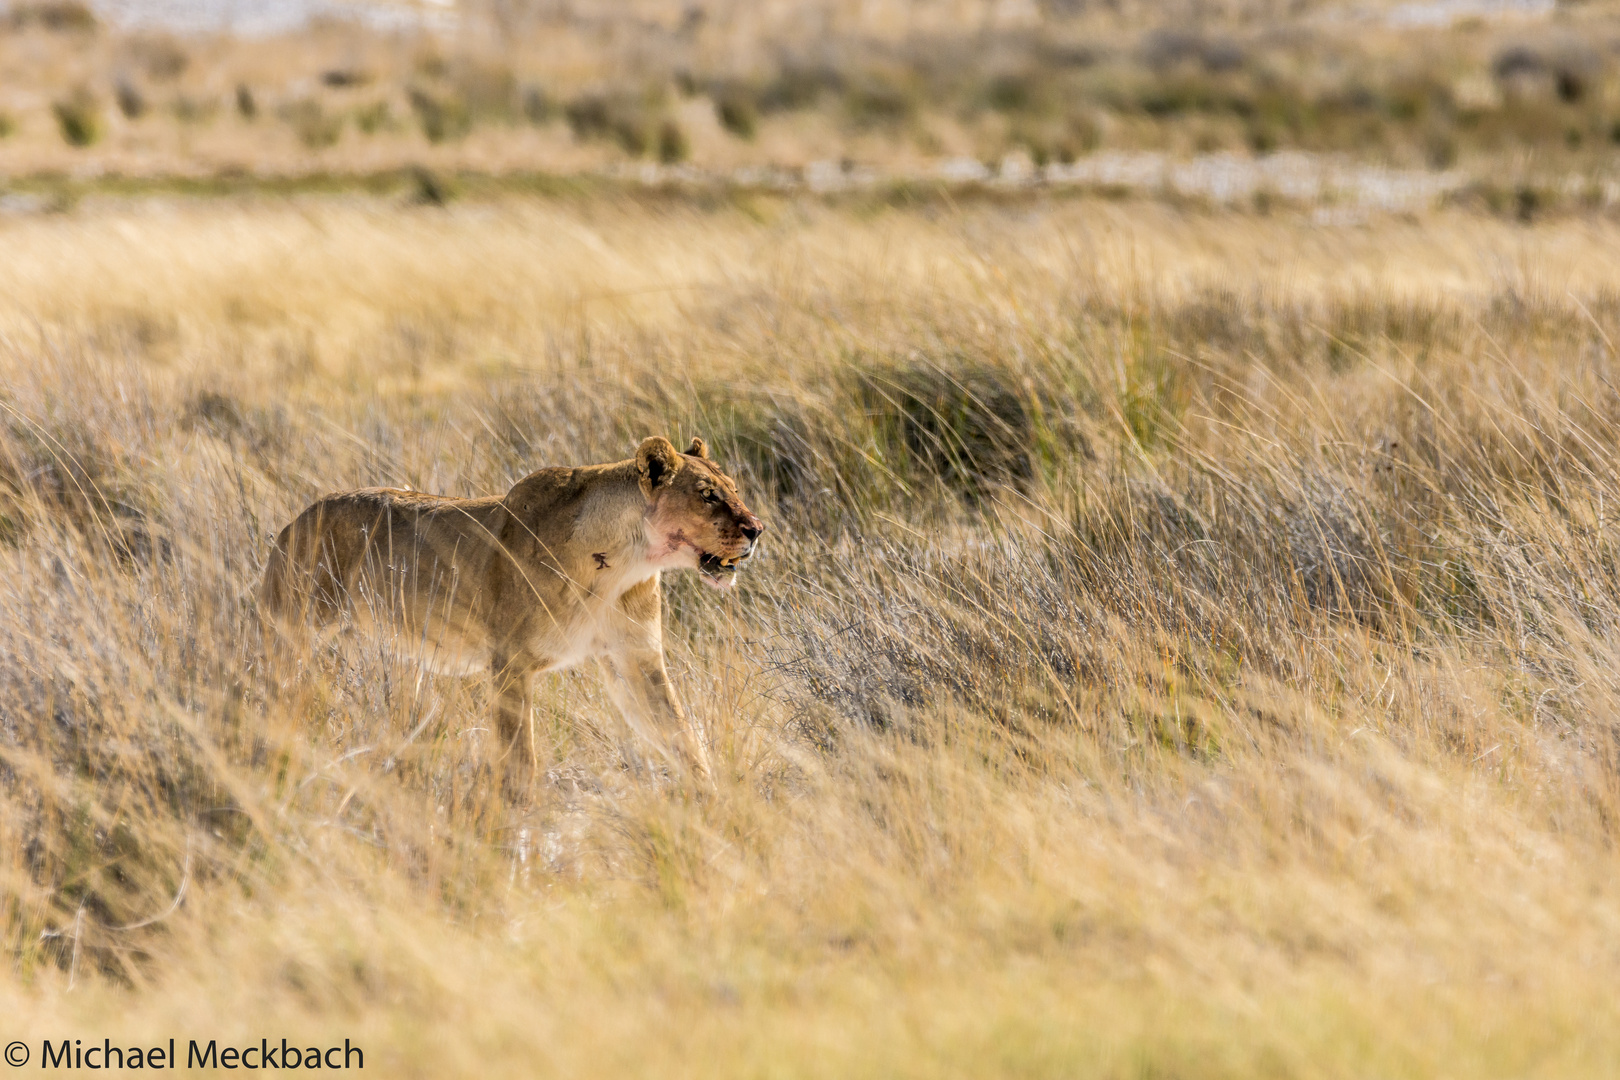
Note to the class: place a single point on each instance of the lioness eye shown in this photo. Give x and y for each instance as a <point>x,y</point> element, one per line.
<point>710,497</point>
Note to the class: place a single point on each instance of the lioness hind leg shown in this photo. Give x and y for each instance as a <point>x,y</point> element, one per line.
<point>308,582</point>
<point>302,603</point>
<point>284,610</point>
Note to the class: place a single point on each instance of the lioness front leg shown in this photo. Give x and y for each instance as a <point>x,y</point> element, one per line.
<point>516,754</point>
<point>641,688</point>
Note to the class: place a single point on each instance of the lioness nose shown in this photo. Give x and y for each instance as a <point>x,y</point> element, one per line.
<point>752,528</point>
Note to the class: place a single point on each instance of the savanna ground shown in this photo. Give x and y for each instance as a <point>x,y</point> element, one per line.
<point>1185,645</point>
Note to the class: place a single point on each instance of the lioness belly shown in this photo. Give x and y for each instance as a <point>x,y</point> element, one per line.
<point>439,645</point>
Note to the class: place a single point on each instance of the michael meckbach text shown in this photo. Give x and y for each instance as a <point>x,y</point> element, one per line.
<point>73,1054</point>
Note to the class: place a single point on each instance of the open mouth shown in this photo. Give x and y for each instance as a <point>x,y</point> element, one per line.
<point>717,571</point>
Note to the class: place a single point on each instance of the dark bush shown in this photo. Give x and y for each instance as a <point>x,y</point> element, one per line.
<point>627,120</point>
<point>131,102</point>
<point>633,134</point>
<point>427,189</point>
<point>1571,86</point>
<point>79,117</point>
<point>798,86</point>
<point>962,423</point>
<point>589,116</point>
<point>345,78</point>
<point>1173,95</point>
<point>1570,69</point>
<point>673,145</point>
<point>1517,60</point>
<point>881,102</point>
<point>1526,203</point>
<point>737,113</point>
<point>1012,92</point>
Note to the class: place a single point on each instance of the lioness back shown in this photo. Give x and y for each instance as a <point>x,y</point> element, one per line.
<point>413,557</point>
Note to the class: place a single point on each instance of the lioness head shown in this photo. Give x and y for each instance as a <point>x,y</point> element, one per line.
<point>696,519</point>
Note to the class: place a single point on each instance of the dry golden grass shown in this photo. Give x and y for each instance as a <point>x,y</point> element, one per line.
<point>1185,646</point>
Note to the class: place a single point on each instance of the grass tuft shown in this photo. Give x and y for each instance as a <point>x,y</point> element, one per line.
<point>78,118</point>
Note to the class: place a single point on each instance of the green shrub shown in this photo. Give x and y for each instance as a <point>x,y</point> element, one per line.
<point>442,117</point>
<point>1015,92</point>
<point>79,117</point>
<point>373,118</point>
<point>673,145</point>
<point>1171,96</point>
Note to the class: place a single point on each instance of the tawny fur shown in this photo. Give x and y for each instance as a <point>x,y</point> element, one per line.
<point>563,568</point>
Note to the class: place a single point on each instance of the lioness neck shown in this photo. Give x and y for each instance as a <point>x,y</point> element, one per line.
<point>608,530</point>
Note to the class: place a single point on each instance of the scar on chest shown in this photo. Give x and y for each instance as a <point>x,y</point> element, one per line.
<point>601,560</point>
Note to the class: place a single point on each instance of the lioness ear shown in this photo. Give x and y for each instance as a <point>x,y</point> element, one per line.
<point>657,461</point>
<point>699,448</point>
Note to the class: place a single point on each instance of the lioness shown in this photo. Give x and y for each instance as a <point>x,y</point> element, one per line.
<point>563,568</point>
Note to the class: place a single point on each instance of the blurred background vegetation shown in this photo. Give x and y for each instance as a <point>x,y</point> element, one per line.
<point>1522,97</point>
